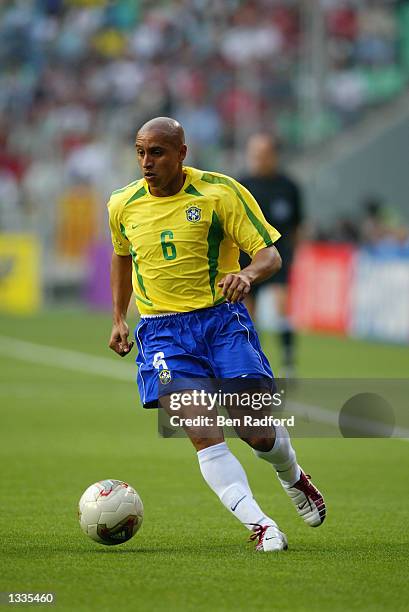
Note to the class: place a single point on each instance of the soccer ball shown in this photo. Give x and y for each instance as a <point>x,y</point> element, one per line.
<point>110,512</point>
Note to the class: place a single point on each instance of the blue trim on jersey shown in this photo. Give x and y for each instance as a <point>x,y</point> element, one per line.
<point>218,342</point>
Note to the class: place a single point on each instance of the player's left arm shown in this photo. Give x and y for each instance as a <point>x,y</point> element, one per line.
<point>264,264</point>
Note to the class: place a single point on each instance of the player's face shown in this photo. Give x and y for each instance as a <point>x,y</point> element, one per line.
<point>160,161</point>
<point>261,156</point>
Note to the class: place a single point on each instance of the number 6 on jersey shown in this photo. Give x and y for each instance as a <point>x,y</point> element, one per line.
<point>168,248</point>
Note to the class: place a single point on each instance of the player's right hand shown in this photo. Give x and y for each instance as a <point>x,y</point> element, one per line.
<point>118,341</point>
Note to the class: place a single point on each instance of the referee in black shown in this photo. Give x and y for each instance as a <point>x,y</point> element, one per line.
<point>281,202</point>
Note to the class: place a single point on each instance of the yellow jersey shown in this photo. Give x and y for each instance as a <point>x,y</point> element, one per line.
<point>184,244</point>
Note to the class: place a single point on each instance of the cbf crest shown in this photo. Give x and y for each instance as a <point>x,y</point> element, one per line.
<point>193,214</point>
<point>165,377</point>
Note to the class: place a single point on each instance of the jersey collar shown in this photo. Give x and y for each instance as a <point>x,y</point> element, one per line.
<point>188,178</point>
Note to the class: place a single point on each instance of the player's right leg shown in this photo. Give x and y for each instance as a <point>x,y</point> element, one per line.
<point>226,477</point>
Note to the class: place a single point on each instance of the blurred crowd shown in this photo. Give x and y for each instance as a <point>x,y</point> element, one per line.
<point>377,226</point>
<point>79,76</point>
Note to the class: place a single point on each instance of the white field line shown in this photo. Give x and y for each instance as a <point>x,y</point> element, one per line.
<point>327,417</point>
<point>66,359</point>
<point>101,366</point>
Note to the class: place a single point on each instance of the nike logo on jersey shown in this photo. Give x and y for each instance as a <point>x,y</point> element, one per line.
<point>232,508</point>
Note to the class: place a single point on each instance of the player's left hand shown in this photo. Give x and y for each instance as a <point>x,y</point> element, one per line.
<point>235,287</point>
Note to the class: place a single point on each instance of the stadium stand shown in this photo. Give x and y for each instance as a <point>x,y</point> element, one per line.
<point>78,76</point>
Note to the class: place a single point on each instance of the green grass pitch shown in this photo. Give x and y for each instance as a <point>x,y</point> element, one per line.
<point>65,429</point>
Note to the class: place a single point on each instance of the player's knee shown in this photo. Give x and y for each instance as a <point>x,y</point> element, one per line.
<point>201,443</point>
<point>261,443</point>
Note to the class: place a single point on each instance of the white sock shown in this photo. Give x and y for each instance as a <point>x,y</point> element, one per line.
<point>282,456</point>
<point>227,478</point>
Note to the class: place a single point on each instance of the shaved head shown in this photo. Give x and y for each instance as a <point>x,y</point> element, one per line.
<point>164,127</point>
<point>161,150</point>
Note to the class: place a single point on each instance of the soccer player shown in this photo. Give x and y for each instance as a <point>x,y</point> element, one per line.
<point>176,235</point>
<point>280,201</point>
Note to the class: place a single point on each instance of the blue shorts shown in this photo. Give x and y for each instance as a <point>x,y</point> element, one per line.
<point>211,343</point>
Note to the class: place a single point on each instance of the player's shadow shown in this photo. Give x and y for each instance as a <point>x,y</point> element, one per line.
<point>351,549</point>
<point>143,550</point>
<point>128,551</point>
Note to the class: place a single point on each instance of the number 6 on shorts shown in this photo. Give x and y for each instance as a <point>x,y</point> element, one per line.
<point>159,361</point>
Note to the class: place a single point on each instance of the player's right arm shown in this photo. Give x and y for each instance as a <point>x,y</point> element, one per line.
<point>121,286</point>
<point>121,280</point>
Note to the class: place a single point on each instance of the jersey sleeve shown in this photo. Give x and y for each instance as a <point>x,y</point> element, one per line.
<point>243,220</point>
<point>118,237</point>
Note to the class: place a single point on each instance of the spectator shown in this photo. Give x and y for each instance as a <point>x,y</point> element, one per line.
<point>75,76</point>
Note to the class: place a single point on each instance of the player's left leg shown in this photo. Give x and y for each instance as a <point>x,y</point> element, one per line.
<point>237,355</point>
<point>275,447</point>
